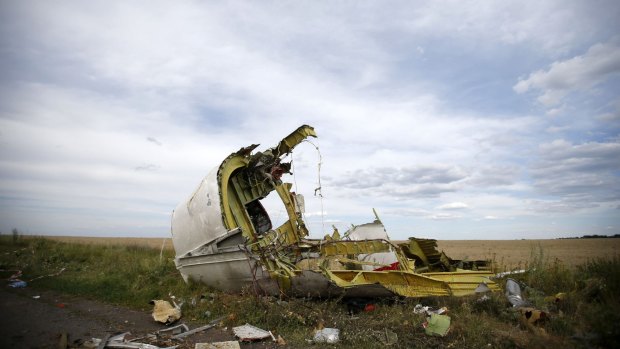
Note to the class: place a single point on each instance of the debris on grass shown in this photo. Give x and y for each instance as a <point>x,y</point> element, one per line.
<point>164,312</point>
<point>174,330</point>
<point>327,335</point>
<point>420,309</point>
<point>506,273</point>
<point>18,284</point>
<point>437,325</point>
<point>482,288</point>
<point>513,294</point>
<point>118,341</point>
<point>532,317</point>
<point>249,333</point>
<point>557,298</point>
<point>199,329</point>
<point>280,340</point>
<point>218,345</point>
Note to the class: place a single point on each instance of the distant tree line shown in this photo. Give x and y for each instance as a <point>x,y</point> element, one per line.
<point>595,236</point>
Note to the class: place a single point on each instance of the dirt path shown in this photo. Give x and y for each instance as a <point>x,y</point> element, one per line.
<point>26,322</point>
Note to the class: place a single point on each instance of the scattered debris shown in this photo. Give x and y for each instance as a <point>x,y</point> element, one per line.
<point>18,284</point>
<point>356,305</point>
<point>420,309</point>
<point>199,329</point>
<point>249,333</point>
<point>174,330</point>
<point>103,342</point>
<point>557,298</point>
<point>530,317</point>
<point>327,335</point>
<point>513,294</point>
<point>164,312</point>
<point>437,325</point>
<point>118,341</point>
<point>482,288</point>
<point>506,273</point>
<point>218,345</point>
<point>280,340</point>
<point>482,299</point>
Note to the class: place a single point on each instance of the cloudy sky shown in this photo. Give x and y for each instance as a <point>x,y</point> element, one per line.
<point>454,119</point>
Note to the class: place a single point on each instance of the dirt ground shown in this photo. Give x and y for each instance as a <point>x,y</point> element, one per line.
<point>26,322</point>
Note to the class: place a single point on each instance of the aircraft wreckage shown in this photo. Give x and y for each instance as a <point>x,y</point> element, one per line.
<point>223,237</point>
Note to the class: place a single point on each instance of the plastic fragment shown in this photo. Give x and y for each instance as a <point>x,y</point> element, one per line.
<point>118,341</point>
<point>18,284</point>
<point>250,333</point>
<point>420,309</point>
<point>513,294</point>
<point>437,325</point>
<point>327,335</point>
<point>482,288</point>
<point>174,330</point>
<point>218,345</point>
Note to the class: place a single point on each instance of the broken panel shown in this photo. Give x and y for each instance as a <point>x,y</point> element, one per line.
<point>223,237</point>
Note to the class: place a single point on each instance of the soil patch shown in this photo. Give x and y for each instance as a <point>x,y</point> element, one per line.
<point>29,322</point>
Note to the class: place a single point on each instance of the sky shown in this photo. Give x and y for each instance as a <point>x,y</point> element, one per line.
<point>453,119</point>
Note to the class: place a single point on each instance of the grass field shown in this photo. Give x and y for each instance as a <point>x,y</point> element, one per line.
<point>517,253</point>
<point>508,254</point>
<point>129,272</point>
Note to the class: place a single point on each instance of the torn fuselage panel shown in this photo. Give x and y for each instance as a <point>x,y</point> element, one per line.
<point>223,237</point>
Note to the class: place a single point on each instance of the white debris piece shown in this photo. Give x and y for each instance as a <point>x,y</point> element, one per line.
<point>327,335</point>
<point>218,345</point>
<point>248,332</point>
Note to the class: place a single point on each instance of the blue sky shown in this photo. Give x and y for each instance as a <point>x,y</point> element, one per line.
<point>454,119</point>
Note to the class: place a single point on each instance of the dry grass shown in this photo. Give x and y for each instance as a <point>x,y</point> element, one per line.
<point>123,271</point>
<point>508,254</point>
<point>124,241</point>
<point>516,253</point>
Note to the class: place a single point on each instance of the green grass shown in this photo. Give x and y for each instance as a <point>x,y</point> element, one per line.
<point>132,276</point>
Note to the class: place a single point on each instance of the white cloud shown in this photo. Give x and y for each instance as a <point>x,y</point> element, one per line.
<point>454,206</point>
<point>599,63</point>
<point>120,109</point>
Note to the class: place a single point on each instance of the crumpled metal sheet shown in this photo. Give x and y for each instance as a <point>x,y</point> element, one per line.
<point>513,294</point>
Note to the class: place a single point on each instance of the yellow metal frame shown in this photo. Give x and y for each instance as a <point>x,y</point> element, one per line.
<point>274,247</point>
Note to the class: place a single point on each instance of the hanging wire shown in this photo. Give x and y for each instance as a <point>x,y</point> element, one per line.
<point>319,188</point>
<point>303,214</point>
